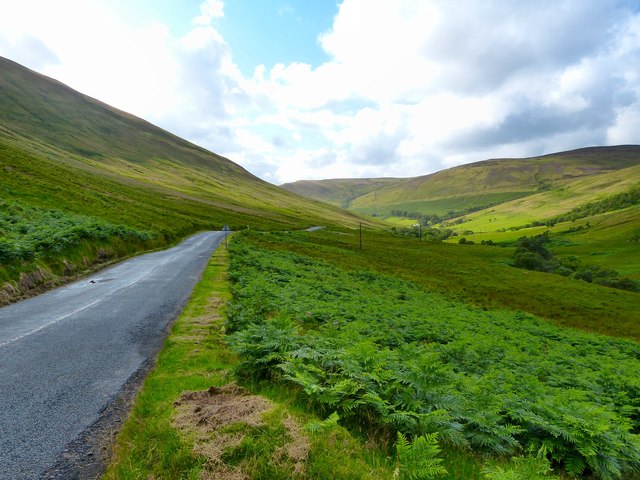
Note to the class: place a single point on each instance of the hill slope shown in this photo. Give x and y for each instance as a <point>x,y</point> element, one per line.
<point>42,117</point>
<point>104,183</point>
<point>339,192</point>
<point>476,185</point>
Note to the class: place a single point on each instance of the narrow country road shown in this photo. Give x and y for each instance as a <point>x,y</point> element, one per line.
<point>66,354</point>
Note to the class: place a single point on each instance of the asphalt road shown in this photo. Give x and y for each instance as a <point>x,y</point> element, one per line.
<point>65,354</point>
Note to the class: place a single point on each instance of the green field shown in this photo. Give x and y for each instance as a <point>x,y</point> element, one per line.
<point>432,340</point>
<point>546,205</point>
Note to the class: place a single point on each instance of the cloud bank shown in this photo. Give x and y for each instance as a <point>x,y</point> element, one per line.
<point>412,86</point>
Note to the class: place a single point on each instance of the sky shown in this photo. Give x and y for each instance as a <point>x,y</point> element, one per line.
<point>312,89</point>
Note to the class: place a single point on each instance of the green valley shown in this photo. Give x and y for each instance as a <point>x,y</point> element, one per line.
<point>586,199</point>
<point>399,338</point>
<point>472,186</point>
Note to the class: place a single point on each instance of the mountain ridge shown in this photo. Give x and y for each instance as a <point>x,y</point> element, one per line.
<point>478,184</point>
<point>43,117</point>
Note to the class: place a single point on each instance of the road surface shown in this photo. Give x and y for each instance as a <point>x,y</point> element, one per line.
<point>66,354</point>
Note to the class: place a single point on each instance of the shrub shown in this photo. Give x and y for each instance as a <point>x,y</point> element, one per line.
<point>418,460</point>
<point>32,232</point>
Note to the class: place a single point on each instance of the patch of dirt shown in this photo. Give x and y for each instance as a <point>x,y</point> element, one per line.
<point>69,267</point>
<point>7,292</point>
<point>206,413</point>
<point>220,406</point>
<point>298,447</point>
<point>28,281</point>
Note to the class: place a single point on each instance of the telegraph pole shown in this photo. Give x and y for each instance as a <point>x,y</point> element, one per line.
<point>225,229</point>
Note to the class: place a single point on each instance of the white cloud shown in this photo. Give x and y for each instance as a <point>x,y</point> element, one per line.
<point>625,128</point>
<point>442,83</point>
<point>208,11</point>
<point>411,85</point>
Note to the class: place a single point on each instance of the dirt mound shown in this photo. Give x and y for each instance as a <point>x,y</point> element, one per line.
<point>204,415</point>
<point>219,406</point>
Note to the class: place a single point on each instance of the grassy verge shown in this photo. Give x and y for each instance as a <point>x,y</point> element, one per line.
<point>174,430</point>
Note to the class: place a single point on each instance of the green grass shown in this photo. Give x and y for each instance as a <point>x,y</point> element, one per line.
<point>390,355</point>
<point>194,358</point>
<point>31,232</point>
<point>546,205</point>
<point>148,446</point>
<point>439,206</point>
<point>604,240</point>
<point>40,245</point>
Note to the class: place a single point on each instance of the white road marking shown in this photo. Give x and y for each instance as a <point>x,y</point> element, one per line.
<point>78,310</point>
<point>42,327</point>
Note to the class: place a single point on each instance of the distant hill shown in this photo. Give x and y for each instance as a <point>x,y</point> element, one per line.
<point>470,187</point>
<point>103,183</point>
<point>588,200</point>
<point>338,192</point>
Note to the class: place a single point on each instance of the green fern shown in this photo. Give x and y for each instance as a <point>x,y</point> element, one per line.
<point>498,383</point>
<point>326,424</point>
<point>521,468</point>
<point>418,460</point>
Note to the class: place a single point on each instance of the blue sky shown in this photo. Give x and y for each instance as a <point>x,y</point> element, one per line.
<point>271,32</point>
<point>258,31</point>
<point>308,89</point>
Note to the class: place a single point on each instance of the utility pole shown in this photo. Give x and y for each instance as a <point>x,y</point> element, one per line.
<point>360,235</point>
<point>225,229</point>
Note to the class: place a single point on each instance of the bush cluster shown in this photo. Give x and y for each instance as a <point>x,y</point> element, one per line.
<point>428,233</point>
<point>532,254</point>
<point>28,232</point>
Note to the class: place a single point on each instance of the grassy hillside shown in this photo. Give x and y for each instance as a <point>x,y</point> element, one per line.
<point>580,217</point>
<point>546,205</point>
<point>68,155</point>
<point>472,186</point>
